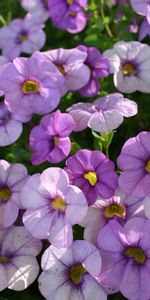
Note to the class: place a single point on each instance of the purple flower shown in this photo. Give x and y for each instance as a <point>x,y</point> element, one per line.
<point>70,63</point>
<point>37,8</point>
<point>93,173</point>
<point>31,85</point>
<point>144,30</point>
<point>130,63</point>
<point>120,207</point>
<point>68,14</point>
<point>99,67</point>
<point>142,8</point>
<point>134,161</point>
<point>10,126</point>
<point>103,115</point>
<point>133,26</point>
<point>18,265</point>
<point>50,140</point>
<point>52,205</point>
<point>21,35</point>
<point>3,60</point>
<point>69,274</point>
<point>12,180</point>
<point>126,257</point>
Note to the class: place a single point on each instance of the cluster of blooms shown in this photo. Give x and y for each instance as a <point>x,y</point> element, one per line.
<point>112,208</point>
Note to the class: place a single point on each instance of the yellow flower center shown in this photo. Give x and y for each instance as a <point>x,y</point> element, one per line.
<point>4,260</point>
<point>30,86</point>
<point>137,254</point>
<point>72,13</point>
<point>22,37</point>
<point>58,203</point>
<point>115,210</point>
<point>5,194</point>
<point>76,273</point>
<point>70,2</point>
<point>147,167</point>
<point>61,69</point>
<point>129,69</point>
<point>91,177</point>
<point>56,140</point>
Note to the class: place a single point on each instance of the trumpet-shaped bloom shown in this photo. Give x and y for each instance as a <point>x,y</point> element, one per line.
<point>126,257</point>
<point>70,274</point>
<point>134,161</point>
<point>50,140</point>
<point>70,63</point>
<point>12,180</point>
<point>31,85</point>
<point>120,207</point>
<point>10,126</point>
<point>142,8</point>
<point>68,14</point>
<point>18,265</point>
<point>37,8</point>
<point>99,67</point>
<point>21,35</point>
<point>144,30</point>
<point>93,173</point>
<point>130,63</point>
<point>103,115</point>
<point>52,205</point>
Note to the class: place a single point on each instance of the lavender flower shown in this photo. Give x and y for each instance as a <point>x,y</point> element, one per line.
<point>30,85</point>
<point>68,14</point>
<point>70,63</point>
<point>21,35</point>
<point>10,126</point>
<point>142,8</point>
<point>12,180</point>
<point>70,274</point>
<point>52,205</point>
<point>18,265</point>
<point>130,63</point>
<point>93,173</point>
<point>99,67</point>
<point>103,115</point>
<point>126,258</point>
<point>134,160</point>
<point>120,207</point>
<point>50,140</point>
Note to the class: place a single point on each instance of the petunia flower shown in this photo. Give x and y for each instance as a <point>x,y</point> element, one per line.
<point>130,63</point>
<point>10,126</point>
<point>103,115</point>
<point>70,274</point>
<point>99,67</point>
<point>120,207</point>
<point>68,14</point>
<point>134,161</point>
<point>142,8</point>
<point>93,173</point>
<point>52,205</point>
<point>37,8</point>
<point>50,140</point>
<point>144,30</point>
<point>12,180</point>
<point>18,264</point>
<point>71,64</point>
<point>21,35</point>
<point>126,257</point>
<point>31,85</point>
